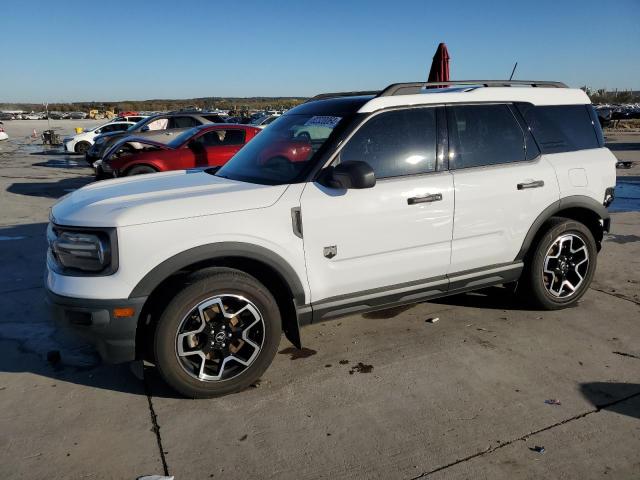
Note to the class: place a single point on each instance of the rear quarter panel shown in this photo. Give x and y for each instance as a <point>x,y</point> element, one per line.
<point>584,172</point>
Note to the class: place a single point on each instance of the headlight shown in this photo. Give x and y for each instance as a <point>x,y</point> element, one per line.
<point>86,250</point>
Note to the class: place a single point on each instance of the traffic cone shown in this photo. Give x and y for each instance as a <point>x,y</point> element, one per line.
<point>34,134</point>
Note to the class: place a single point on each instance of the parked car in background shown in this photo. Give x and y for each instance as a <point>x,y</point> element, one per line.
<point>203,146</point>
<point>31,116</point>
<point>160,128</point>
<point>3,134</point>
<point>262,122</point>
<point>129,118</point>
<point>81,142</point>
<point>7,116</point>
<point>77,115</point>
<point>239,119</point>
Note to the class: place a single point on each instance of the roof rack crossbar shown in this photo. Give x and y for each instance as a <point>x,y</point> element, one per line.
<point>416,87</point>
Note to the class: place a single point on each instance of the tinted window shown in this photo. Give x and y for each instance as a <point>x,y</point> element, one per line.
<point>120,127</point>
<point>183,122</point>
<point>561,128</point>
<point>396,143</point>
<point>484,135</point>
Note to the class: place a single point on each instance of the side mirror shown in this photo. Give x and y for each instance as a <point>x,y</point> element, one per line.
<point>352,174</point>
<point>98,131</point>
<point>145,128</point>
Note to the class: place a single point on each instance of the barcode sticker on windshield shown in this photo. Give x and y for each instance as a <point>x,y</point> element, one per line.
<point>323,121</point>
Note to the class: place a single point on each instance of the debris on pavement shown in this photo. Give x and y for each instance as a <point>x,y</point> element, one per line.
<point>432,320</point>
<point>343,362</point>
<point>361,368</point>
<point>537,449</point>
<point>553,401</point>
<point>155,477</point>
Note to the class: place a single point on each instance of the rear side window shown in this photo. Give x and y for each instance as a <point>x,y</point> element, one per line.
<point>561,128</point>
<point>396,143</point>
<point>233,137</point>
<point>219,138</point>
<point>183,122</point>
<point>484,135</point>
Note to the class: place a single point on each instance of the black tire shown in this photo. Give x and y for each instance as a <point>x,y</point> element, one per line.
<point>82,147</point>
<point>140,170</point>
<point>202,287</point>
<point>535,285</point>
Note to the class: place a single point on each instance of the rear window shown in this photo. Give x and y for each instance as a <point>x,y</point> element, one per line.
<point>561,128</point>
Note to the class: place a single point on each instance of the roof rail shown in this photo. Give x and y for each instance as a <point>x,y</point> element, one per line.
<point>343,94</point>
<point>416,87</point>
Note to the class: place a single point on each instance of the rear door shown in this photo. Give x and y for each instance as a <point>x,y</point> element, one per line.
<point>502,184</point>
<point>387,243</point>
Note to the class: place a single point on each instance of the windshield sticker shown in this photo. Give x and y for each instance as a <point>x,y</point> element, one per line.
<point>322,121</point>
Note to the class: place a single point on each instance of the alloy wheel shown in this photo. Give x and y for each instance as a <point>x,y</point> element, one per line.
<point>565,265</point>
<point>220,338</point>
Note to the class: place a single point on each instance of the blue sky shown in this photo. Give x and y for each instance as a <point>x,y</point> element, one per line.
<point>117,50</point>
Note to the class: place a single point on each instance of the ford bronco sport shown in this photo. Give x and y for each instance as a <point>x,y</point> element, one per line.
<point>398,196</point>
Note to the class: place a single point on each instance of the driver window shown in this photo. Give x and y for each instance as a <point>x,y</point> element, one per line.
<point>397,143</point>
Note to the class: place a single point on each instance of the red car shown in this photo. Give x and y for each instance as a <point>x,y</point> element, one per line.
<point>203,146</point>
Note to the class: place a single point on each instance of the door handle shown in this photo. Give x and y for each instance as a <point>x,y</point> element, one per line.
<point>434,197</point>
<point>534,184</point>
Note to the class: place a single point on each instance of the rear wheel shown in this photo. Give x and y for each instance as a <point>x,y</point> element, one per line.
<point>140,170</point>
<point>218,335</point>
<point>82,147</point>
<point>562,265</point>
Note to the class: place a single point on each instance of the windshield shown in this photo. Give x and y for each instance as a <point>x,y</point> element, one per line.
<point>279,153</point>
<point>183,137</point>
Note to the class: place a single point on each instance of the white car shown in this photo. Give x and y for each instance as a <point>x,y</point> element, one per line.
<point>389,198</point>
<point>81,142</point>
<point>3,134</point>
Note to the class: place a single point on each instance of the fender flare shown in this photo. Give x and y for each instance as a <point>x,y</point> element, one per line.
<point>573,201</point>
<point>219,250</point>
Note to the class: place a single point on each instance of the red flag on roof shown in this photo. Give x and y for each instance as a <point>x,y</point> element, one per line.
<point>440,65</point>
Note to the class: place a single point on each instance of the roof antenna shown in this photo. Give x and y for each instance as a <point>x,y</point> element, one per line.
<point>513,71</point>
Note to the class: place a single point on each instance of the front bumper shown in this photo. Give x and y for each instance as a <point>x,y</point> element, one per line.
<point>94,320</point>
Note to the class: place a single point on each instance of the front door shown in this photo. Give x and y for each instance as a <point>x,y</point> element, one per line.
<point>391,242</point>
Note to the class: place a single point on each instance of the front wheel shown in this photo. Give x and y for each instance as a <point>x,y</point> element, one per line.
<point>218,335</point>
<point>562,265</point>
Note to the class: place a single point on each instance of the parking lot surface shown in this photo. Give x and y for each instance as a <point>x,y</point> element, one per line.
<point>387,394</point>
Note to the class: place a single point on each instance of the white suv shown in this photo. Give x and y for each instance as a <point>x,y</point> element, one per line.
<point>345,204</point>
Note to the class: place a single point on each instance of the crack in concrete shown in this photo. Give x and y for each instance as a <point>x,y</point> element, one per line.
<point>524,437</point>
<point>154,421</point>
<point>617,295</point>
<point>625,354</point>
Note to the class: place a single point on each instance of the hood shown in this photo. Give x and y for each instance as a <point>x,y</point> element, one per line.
<point>160,197</point>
